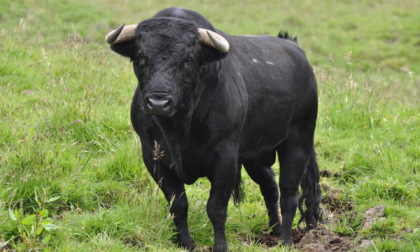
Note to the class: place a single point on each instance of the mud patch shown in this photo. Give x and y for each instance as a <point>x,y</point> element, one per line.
<point>315,240</point>
<point>332,202</point>
<point>297,235</point>
<point>372,215</point>
<point>321,240</point>
<point>268,240</point>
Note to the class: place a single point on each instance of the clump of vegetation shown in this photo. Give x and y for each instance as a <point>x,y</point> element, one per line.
<point>32,229</point>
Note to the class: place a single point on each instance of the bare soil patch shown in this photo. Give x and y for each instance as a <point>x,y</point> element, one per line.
<point>321,239</point>
<point>315,240</point>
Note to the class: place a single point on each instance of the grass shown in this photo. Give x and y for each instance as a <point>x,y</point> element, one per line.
<point>68,151</point>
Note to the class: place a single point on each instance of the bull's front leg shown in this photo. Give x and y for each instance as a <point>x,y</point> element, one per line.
<point>174,191</point>
<point>222,181</point>
<point>175,194</point>
<point>179,211</point>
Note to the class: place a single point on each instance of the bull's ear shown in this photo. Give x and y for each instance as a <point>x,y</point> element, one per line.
<point>209,54</point>
<point>125,49</point>
<point>122,40</point>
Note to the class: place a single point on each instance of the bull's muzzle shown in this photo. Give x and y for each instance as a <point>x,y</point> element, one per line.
<point>158,104</point>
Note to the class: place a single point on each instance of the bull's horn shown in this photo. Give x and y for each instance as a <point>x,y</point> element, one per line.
<point>121,34</point>
<point>213,39</point>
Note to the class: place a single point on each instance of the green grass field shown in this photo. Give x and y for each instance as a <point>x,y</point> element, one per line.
<point>71,175</point>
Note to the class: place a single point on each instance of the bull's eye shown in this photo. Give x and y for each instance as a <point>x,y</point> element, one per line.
<point>189,61</point>
<point>141,58</point>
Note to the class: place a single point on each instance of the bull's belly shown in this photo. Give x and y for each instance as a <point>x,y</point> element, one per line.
<point>261,138</point>
<point>258,146</point>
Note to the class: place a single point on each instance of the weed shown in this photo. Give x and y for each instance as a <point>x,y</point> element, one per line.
<point>31,230</point>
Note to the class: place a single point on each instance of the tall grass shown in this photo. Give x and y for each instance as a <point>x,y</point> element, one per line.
<point>69,157</point>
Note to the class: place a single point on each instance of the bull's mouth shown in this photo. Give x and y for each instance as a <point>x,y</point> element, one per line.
<point>161,114</point>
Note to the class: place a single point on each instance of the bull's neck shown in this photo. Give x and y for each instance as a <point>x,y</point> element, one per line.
<point>173,132</point>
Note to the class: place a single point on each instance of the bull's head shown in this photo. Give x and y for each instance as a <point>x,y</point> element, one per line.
<point>166,55</point>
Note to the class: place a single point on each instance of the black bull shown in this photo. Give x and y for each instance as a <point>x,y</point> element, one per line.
<point>202,110</point>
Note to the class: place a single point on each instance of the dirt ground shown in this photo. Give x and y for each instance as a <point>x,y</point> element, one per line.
<point>316,240</point>
<point>322,239</point>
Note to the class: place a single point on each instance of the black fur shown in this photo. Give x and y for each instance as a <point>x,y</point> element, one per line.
<point>202,113</point>
<point>238,190</point>
<point>311,195</point>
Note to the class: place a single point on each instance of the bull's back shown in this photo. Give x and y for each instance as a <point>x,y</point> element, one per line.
<point>277,76</point>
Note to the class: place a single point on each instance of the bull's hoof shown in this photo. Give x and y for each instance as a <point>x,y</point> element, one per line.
<point>275,232</point>
<point>221,248</point>
<point>286,242</point>
<point>188,247</point>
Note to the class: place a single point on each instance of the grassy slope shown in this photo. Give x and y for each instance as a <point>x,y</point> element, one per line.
<point>65,129</point>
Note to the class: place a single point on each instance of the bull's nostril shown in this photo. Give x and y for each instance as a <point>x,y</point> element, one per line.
<point>150,103</point>
<point>167,104</point>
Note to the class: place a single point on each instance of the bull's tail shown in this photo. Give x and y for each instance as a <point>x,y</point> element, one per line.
<point>285,35</point>
<point>311,195</point>
<point>238,192</point>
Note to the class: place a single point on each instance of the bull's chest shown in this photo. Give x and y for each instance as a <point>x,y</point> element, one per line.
<point>190,151</point>
<point>191,158</point>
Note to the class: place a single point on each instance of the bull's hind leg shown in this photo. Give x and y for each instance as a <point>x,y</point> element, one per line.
<point>265,178</point>
<point>294,155</point>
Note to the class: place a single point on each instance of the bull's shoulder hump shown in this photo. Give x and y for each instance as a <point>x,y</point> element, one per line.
<point>265,40</point>
<point>260,42</point>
